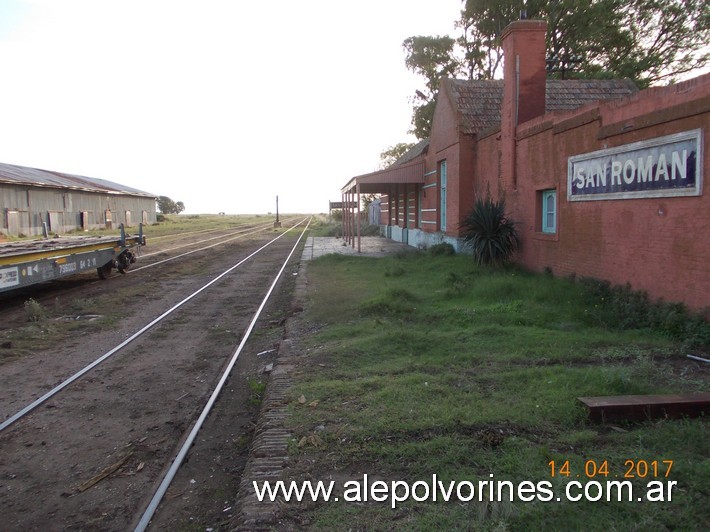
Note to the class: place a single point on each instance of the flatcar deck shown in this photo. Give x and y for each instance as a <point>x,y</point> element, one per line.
<point>13,252</point>
<point>34,261</point>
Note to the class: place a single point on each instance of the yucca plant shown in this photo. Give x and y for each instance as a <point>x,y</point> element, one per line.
<point>490,233</point>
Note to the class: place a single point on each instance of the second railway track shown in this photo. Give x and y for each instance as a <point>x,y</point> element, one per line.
<point>89,457</point>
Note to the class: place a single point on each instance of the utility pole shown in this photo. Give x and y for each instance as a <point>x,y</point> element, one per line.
<point>277,223</point>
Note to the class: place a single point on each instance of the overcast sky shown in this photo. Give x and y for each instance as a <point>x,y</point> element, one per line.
<point>221,104</point>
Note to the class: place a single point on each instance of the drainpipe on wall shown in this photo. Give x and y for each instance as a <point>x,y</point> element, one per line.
<point>524,79</point>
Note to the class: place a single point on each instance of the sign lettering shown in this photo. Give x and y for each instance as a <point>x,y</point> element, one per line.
<point>662,167</point>
<point>340,204</point>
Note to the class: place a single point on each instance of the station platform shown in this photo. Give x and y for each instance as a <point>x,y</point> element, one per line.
<point>370,246</point>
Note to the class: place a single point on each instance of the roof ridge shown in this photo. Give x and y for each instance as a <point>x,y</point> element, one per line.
<point>28,175</point>
<point>478,102</point>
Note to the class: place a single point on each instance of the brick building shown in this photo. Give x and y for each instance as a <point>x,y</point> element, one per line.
<point>603,181</point>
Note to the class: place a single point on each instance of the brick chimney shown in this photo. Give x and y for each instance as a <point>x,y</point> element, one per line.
<point>523,86</point>
<point>524,69</point>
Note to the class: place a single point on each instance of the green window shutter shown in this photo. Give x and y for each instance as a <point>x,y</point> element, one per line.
<point>442,185</point>
<point>549,211</point>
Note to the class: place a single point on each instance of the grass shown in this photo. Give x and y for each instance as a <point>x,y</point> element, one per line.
<point>430,365</point>
<point>174,224</point>
<point>256,390</point>
<point>323,225</point>
<point>177,224</point>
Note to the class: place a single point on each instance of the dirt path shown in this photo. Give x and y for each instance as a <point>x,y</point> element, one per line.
<point>90,458</point>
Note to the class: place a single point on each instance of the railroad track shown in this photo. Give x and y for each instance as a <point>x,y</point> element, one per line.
<point>202,245</point>
<point>163,251</point>
<point>101,448</point>
<point>203,237</point>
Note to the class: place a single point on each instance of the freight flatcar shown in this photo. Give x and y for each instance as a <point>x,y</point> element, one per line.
<point>30,262</point>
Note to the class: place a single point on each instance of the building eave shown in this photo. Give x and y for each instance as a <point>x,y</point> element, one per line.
<point>379,182</point>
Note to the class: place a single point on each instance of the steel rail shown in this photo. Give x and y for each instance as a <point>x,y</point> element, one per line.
<point>9,421</point>
<point>177,462</point>
<point>244,231</point>
<point>182,234</point>
<point>241,232</point>
<point>247,225</point>
<point>240,235</point>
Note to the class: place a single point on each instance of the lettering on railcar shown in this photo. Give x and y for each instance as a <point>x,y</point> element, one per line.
<point>69,267</point>
<point>9,277</point>
<point>87,263</point>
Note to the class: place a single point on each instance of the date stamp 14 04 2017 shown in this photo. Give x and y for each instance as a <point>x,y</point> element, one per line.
<point>630,469</point>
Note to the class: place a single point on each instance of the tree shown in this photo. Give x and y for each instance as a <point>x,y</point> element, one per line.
<point>664,39</point>
<point>387,158</point>
<point>481,25</point>
<point>168,206</point>
<point>433,58</point>
<point>367,199</point>
<point>647,41</point>
<point>391,154</point>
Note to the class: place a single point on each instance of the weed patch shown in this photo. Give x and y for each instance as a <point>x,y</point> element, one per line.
<point>432,365</point>
<point>35,311</point>
<point>394,302</point>
<point>621,307</point>
<point>444,249</point>
<point>256,391</point>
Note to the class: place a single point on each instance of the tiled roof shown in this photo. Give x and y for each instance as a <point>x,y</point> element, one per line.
<point>420,148</point>
<point>22,175</point>
<point>479,101</point>
<point>565,94</point>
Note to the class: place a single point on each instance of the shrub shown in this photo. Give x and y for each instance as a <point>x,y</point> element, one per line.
<point>370,230</point>
<point>621,307</point>
<point>35,311</point>
<point>455,285</point>
<point>444,249</point>
<point>490,233</point>
<point>394,271</point>
<point>394,302</point>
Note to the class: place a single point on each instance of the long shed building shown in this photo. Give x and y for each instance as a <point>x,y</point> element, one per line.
<point>32,199</point>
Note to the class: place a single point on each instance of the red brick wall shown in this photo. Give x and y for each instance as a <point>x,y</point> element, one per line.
<point>661,245</point>
<point>459,152</point>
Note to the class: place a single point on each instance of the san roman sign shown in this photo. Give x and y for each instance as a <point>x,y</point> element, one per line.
<point>660,167</point>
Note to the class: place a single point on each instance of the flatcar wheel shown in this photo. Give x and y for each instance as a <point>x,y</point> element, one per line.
<point>124,260</point>
<point>105,270</point>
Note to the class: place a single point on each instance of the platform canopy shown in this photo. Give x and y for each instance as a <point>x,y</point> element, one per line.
<point>407,170</point>
<point>380,182</point>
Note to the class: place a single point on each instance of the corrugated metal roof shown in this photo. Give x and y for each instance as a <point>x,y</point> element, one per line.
<point>479,101</point>
<point>23,175</point>
<point>378,182</point>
